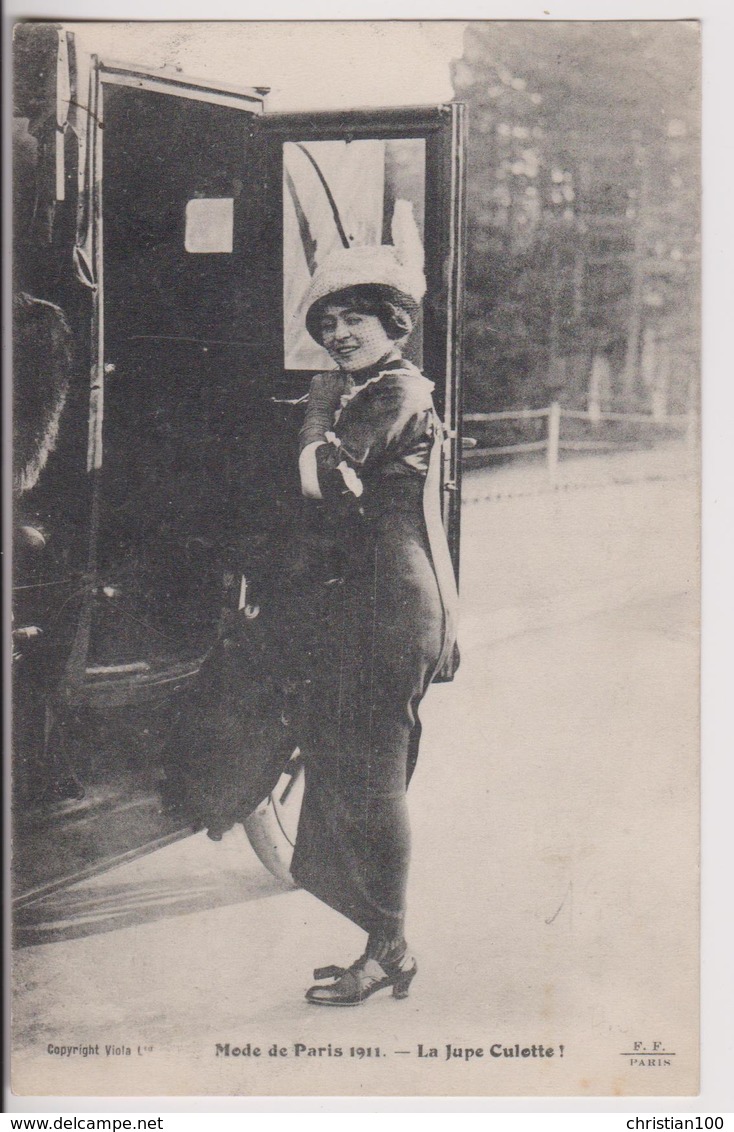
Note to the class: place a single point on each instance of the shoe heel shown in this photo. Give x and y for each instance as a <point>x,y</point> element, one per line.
<point>401,986</point>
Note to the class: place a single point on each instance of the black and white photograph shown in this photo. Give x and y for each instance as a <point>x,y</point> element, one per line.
<point>355,546</point>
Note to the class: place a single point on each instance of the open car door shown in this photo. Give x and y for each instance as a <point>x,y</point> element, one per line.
<point>166,249</point>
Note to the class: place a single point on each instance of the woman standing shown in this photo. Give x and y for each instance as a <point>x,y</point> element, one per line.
<point>370,450</point>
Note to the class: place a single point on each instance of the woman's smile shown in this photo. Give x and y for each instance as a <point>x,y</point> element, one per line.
<point>355,341</point>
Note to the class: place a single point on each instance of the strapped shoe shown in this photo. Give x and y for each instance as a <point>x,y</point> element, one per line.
<point>365,977</point>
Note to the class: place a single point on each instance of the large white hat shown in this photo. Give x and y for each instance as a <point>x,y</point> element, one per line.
<point>364,267</point>
<point>396,267</point>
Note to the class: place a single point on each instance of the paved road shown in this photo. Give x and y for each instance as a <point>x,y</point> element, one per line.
<point>554,881</point>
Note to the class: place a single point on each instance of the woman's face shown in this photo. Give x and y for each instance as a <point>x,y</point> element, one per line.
<point>355,341</point>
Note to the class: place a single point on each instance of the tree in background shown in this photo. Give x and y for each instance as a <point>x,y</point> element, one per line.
<point>583,187</point>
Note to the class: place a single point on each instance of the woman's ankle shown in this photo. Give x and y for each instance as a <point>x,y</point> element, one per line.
<point>382,947</point>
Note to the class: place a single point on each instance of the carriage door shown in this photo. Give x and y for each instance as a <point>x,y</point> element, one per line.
<point>366,177</point>
<point>173,340</point>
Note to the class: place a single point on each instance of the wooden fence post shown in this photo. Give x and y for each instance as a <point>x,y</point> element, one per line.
<point>554,431</point>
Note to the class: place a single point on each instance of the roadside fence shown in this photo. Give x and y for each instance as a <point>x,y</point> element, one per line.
<point>553,444</point>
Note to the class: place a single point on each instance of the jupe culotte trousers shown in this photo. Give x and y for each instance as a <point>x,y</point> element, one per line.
<point>386,633</point>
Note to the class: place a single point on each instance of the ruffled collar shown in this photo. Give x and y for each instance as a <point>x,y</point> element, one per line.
<point>376,372</point>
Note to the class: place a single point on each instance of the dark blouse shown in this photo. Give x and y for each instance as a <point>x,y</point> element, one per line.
<point>383,427</point>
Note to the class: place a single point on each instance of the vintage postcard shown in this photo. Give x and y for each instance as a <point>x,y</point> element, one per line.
<point>356,558</point>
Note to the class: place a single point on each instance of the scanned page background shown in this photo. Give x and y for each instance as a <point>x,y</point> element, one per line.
<point>554,891</point>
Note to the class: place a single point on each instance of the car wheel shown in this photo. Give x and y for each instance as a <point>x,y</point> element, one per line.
<point>272,827</point>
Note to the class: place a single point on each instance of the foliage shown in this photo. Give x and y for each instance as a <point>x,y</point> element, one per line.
<point>583,210</point>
